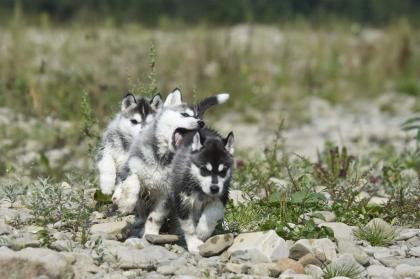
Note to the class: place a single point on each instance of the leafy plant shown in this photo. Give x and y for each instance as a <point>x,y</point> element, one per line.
<point>12,191</point>
<point>52,202</point>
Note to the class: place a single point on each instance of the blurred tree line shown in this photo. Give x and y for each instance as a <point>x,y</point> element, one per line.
<point>216,12</point>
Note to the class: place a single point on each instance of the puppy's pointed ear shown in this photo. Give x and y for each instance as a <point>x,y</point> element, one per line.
<point>128,101</point>
<point>174,98</point>
<point>177,98</point>
<point>196,144</point>
<point>229,141</point>
<point>156,102</point>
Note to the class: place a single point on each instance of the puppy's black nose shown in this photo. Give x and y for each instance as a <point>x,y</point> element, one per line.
<point>201,123</point>
<point>214,189</point>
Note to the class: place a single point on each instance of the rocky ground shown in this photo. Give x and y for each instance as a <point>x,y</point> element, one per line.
<point>247,255</point>
<point>29,250</point>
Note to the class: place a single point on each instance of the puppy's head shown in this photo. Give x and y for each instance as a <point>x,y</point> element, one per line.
<point>176,119</point>
<point>212,162</point>
<point>138,113</point>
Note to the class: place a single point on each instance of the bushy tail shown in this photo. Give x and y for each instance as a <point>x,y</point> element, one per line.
<point>208,102</point>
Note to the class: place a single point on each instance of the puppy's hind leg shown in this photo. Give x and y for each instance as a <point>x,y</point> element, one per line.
<point>156,217</point>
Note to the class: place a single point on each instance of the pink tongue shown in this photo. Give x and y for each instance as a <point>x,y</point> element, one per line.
<point>178,138</point>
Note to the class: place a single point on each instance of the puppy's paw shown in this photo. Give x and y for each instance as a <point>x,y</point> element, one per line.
<point>107,184</point>
<point>204,231</point>
<point>193,244</point>
<point>125,205</point>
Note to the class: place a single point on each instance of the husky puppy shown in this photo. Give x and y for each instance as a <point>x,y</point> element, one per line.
<point>202,170</point>
<point>135,115</point>
<point>145,181</point>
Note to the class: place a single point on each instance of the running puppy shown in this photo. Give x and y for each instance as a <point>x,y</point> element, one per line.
<point>145,181</point>
<point>202,170</point>
<point>135,115</point>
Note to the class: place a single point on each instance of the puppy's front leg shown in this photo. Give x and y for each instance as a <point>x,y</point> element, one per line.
<point>107,173</point>
<point>157,217</point>
<point>127,193</point>
<point>188,227</point>
<point>212,213</point>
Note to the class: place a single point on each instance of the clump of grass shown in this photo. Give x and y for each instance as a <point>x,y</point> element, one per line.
<point>351,271</point>
<point>12,190</point>
<point>377,233</point>
<point>53,202</point>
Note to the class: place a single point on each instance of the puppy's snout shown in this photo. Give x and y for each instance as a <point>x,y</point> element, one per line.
<point>201,123</point>
<point>214,189</point>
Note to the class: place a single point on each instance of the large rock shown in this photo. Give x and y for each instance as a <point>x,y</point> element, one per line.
<point>310,259</point>
<point>259,247</point>
<point>148,257</point>
<point>216,245</point>
<point>379,272</point>
<point>323,249</point>
<point>347,246</point>
<point>33,262</point>
<point>405,234</point>
<point>315,271</point>
<point>407,271</point>
<point>340,230</point>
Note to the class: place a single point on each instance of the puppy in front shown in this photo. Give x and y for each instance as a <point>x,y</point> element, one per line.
<point>201,175</point>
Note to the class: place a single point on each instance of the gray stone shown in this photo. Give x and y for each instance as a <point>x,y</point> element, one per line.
<point>83,265</point>
<point>9,214</point>
<point>289,274</point>
<point>265,269</point>
<point>323,249</point>
<point>138,243</point>
<point>148,257</point>
<point>393,261</point>
<point>25,240</point>
<point>348,246</point>
<point>315,271</point>
<point>111,228</point>
<point>5,229</point>
<point>216,245</point>
<point>33,262</point>
<point>259,247</point>
<point>238,197</point>
<point>415,251</point>
<point>340,230</point>
<point>63,245</point>
<point>236,268</point>
<point>407,271</point>
<point>379,271</point>
<point>167,269</point>
<point>160,239</point>
<point>405,234</point>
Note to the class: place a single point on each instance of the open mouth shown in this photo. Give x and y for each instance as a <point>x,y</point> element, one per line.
<point>178,135</point>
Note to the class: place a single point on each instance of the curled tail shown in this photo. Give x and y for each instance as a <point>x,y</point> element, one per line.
<point>208,102</point>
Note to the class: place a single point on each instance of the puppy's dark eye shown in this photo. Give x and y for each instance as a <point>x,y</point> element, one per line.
<point>134,121</point>
<point>185,114</point>
<point>204,171</point>
<point>223,172</point>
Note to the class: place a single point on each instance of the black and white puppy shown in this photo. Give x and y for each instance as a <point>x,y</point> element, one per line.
<point>200,179</point>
